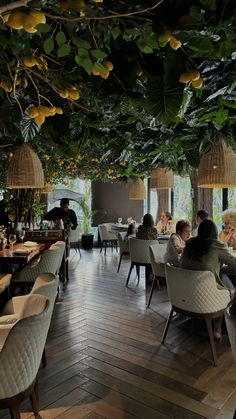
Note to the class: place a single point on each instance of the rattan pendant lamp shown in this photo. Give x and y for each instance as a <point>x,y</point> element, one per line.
<point>137,190</point>
<point>25,169</point>
<point>217,168</point>
<point>162,179</point>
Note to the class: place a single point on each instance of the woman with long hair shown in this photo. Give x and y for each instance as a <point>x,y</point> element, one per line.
<point>165,225</point>
<point>176,242</point>
<point>147,231</point>
<point>206,253</point>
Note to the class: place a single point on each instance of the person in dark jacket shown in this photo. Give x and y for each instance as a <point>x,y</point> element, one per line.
<point>64,213</point>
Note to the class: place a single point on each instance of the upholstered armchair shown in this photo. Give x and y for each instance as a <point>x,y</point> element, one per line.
<point>48,262</point>
<point>123,245</point>
<point>21,355</point>
<point>157,252</point>
<point>139,254</point>
<point>196,294</point>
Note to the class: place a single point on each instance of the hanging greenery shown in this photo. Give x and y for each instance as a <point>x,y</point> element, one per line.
<point>110,90</point>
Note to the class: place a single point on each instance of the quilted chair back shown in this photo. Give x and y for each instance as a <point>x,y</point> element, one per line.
<point>74,235</point>
<point>231,327</point>
<point>105,233</point>
<point>123,244</point>
<point>139,250</point>
<point>48,263</point>
<point>157,252</point>
<point>22,351</point>
<point>46,285</point>
<point>62,246</point>
<point>195,291</point>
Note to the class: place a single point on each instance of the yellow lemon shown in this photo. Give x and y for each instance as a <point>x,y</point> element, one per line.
<point>174,43</point>
<point>16,20</point>
<point>197,83</point>
<point>108,64</point>
<point>95,71</point>
<point>6,86</point>
<point>165,36</point>
<point>185,77</point>
<point>43,110</point>
<point>194,75</point>
<point>33,112</point>
<point>74,94</point>
<point>39,119</point>
<point>64,94</point>
<point>104,74</point>
<point>52,110</point>
<point>29,29</point>
<point>59,111</point>
<point>30,61</point>
<point>34,18</point>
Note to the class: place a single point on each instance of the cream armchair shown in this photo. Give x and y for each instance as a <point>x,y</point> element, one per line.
<point>231,328</point>
<point>48,262</point>
<point>124,247</point>
<point>15,308</point>
<point>139,254</point>
<point>157,252</point>
<point>107,237</point>
<point>20,358</point>
<point>196,294</point>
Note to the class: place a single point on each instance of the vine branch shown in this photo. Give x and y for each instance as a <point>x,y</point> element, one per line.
<point>14,5</point>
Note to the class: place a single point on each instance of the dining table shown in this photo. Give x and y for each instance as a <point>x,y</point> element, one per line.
<point>20,254</point>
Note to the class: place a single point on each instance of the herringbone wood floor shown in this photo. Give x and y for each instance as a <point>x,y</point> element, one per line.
<point>105,359</point>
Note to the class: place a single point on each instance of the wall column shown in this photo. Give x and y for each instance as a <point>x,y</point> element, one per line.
<point>202,198</point>
<point>163,204</point>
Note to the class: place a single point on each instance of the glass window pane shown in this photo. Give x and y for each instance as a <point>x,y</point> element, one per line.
<point>182,198</point>
<point>217,207</point>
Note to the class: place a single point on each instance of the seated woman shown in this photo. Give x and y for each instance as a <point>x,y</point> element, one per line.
<point>206,253</point>
<point>228,234</point>
<point>176,242</point>
<point>147,231</point>
<point>165,225</point>
<point>131,232</point>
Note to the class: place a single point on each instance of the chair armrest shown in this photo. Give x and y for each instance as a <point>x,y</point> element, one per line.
<point>4,332</point>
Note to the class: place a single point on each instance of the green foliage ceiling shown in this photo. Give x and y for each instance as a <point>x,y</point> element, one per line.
<point>128,119</point>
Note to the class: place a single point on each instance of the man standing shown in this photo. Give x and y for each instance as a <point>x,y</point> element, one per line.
<point>64,213</point>
<point>201,215</point>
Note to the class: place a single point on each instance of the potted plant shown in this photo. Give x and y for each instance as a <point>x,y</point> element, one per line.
<point>86,220</point>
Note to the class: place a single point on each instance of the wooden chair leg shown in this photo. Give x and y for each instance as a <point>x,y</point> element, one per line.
<point>130,270</point>
<point>101,246</point>
<point>167,326</point>
<point>34,399</point>
<point>44,359</point>
<point>120,261</point>
<point>151,292</point>
<point>105,251</point>
<point>234,417</point>
<point>212,343</point>
<point>15,411</point>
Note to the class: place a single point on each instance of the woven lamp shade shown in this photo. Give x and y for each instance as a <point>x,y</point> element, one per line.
<point>25,169</point>
<point>162,179</point>
<point>217,168</point>
<point>137,190</point>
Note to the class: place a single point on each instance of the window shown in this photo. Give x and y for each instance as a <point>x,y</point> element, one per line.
<point>182,198</point>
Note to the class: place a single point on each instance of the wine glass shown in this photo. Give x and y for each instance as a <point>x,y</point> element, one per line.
<point>119,220</point>
<point>22,235</point>
<point>12,240</point>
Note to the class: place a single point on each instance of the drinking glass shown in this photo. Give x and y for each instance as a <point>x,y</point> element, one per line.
<point>22,235</point>
<point>119,220</point>
<point>12,240</point>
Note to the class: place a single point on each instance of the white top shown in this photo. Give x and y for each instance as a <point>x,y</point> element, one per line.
<point>168,228</point>
<point>174,249</point>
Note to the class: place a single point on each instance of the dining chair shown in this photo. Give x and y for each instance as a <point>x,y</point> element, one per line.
<point>123,246</point>
<point>107,237</point>
<point>230,321</point>
<point>20,358</point>
<point>196,294</point>
<point>45,285</point>
<point>157,252</point>
<point>48,262</point>
<point>139,254</point>
<point>74,239</point>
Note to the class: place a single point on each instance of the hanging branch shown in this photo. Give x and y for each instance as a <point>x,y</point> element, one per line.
<point>14,5</point>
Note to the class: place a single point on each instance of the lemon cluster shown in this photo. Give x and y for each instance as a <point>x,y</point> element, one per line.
<point>39,113</point>
<point>168,37</point>
<point>26,21</point>
<point>6,86</point>
<point>103,74</point>
<point>31,61</point>
<point>70,93</point>
<point>193,76</point>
